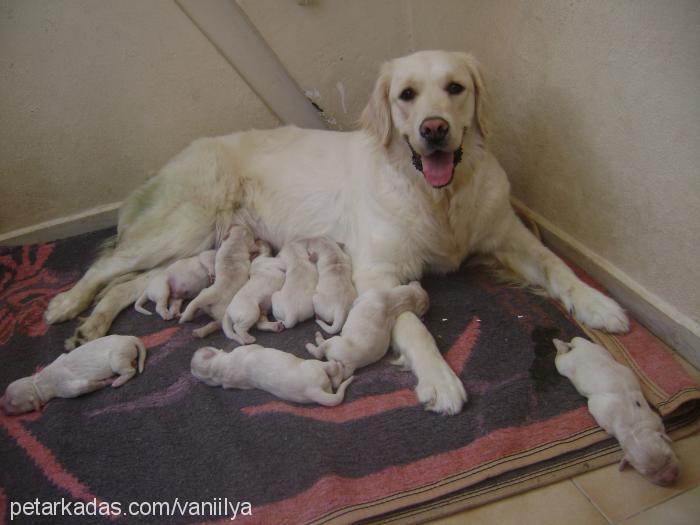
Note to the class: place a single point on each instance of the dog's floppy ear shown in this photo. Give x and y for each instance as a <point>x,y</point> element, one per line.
<point>376,117</point>
<point>479,93</point>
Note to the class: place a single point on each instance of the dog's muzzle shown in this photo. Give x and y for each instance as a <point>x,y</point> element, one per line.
<point>438,168</point>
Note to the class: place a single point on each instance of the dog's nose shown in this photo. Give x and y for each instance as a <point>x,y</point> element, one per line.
<point>434,129</point>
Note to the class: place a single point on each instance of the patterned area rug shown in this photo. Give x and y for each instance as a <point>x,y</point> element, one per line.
<point>165,448</point>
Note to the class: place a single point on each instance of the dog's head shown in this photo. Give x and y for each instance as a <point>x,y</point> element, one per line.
<point>648,450</point>
<point>432,101</point>
<point>20,397</point>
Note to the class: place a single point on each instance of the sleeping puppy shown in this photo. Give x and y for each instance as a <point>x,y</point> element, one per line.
<point>279,373</point>
<point>616,402</point>
<point>366,335</point>
<point>183,279</point>
<point>252,302</point>
<point>335,292</point>
<point>86,369</point>
<point>292,304</point>
<point>231,267</point>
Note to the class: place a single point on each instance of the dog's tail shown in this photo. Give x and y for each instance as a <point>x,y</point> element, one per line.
<point>331,400</point>
<point>138,305</point>
<point>338,322</point>
<point>562,347</point>
<point>142,353</point>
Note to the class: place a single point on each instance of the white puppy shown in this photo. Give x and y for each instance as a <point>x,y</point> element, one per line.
<point>279,373</point>
<point>335,292</point>
<point>183,279</point>
<point>252,302</point>
<point>366,335</point>
<point>292,304</point>
<point>86,369</point>
<point>616,402</point>
<point>231,269</point>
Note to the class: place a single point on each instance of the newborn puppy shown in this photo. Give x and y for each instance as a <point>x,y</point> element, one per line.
<point>616,402</point>
<point>86,369</point>
<point>292,304</point>
<point>252,302</point>
<point>335,292</point>
<point>366,335</point>
<point>279,373</point>
<point>183,279</point>
<point>231,267</point>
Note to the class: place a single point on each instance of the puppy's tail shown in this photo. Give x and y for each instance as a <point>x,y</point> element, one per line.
<point>142,353</point>
<point>227,326</point>
<point>562,347</point>
<point>138,305</point>
<point>338,322</point>
<point>331,400</point>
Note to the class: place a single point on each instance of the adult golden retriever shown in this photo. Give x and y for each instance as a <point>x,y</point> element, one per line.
<point>414,190</point>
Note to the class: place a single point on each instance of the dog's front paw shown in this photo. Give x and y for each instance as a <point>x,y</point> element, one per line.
<point>596,310</point>
<point>441,391</point>
<point>64,306</point>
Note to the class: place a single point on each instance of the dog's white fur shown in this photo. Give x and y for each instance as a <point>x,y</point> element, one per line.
<point>183,279</point>
<point>293,303</point>
<point>335,292</point>
<point>366,335</point>
<point>231,271</point>
<point>359,188</point>
<point>252,302</point>
<point>279,373</point>
<point>86,369</point>
<point>616,402</point>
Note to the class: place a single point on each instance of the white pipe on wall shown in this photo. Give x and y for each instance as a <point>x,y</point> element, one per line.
<point>228,28</point>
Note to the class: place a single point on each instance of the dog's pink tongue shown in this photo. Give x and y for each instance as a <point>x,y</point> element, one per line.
<point>438,168</point>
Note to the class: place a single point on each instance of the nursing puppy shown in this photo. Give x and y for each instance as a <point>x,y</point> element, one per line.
<point>252,302</point>
<point>279,373</point>
<point>293,304</point>
<point>616,402</point>
<point>335,292</point>
<point>183,279</point>
<point>231,268</point>
<point>86,369</point>
<point>366,335</point>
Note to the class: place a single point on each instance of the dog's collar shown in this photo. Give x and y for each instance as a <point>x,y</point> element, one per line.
<point>416,158</point>
<point>37,390</point>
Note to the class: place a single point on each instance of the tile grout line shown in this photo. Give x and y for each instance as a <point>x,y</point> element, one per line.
<point>595,505</point>
<point>663,502</point>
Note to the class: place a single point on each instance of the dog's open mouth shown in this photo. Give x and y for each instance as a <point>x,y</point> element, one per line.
<point>438,167</point>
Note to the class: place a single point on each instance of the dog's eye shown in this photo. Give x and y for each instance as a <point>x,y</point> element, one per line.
<point>407,95</point>
<point>453,88</point>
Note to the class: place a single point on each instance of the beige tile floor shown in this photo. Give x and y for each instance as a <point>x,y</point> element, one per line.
<point>603,496</point>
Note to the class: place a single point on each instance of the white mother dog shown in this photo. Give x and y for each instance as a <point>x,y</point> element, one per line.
<point>414,190</point>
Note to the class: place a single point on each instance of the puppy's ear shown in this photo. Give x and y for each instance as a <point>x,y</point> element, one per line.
<point>479,93</point>
<point>376,117</point>
<point>561,346</point>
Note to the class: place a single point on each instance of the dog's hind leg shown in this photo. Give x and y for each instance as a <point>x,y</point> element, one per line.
<point>114,301</point>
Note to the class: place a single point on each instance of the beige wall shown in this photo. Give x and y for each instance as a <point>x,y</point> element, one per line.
<point>596,104</point>
<point>94,95</point>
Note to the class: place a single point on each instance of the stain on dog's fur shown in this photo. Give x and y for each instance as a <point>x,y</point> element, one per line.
<point>542,370</point>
